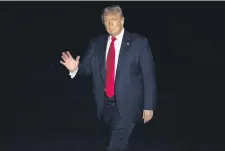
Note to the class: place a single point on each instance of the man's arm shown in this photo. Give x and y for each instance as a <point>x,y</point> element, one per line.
<point>148,72</point>
<point>84,66</point>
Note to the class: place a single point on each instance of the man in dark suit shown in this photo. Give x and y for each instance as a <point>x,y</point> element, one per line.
<point>123,74</point>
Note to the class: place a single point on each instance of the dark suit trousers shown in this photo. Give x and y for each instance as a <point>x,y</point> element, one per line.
<point>120,130</point>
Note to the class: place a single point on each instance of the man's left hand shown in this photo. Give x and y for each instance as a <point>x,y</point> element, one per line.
<point>147,115</point>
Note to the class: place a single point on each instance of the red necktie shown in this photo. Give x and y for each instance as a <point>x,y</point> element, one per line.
<point>110,70</point>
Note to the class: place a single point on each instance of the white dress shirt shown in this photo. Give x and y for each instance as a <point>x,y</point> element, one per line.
<point>117,45</point>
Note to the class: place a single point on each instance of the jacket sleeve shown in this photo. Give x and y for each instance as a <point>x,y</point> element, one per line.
<point>85,65</point>
<point>148,72</point>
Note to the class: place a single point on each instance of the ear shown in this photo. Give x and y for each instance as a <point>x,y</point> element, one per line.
<point>122,20</point>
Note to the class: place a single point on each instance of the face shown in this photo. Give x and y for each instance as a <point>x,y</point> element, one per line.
<point>113,23</point>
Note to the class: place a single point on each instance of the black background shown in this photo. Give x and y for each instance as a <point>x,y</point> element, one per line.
<point>45,110</point>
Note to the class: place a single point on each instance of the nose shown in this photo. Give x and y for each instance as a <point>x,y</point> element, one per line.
<point>110,23</point>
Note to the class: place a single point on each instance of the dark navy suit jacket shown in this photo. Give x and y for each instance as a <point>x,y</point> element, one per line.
<point>135,83</point>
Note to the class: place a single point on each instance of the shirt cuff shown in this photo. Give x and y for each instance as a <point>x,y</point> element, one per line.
<point>73,74</point>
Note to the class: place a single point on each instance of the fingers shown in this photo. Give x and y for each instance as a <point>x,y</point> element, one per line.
<point>77,58</point>
<point>63,63</point>
<point>146,117</point>
<point>145,120</point>
<point>68,54</point>
<point>64,56</point>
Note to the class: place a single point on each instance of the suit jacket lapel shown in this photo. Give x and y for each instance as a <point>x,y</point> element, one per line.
<point>103,57</point>
<point>126,42</point>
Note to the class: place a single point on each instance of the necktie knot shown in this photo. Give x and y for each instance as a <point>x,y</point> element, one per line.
<point>113,39</point>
